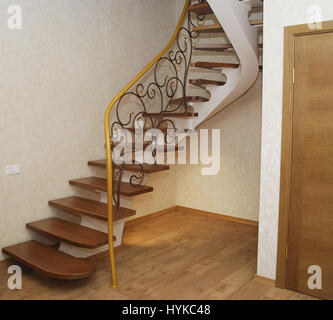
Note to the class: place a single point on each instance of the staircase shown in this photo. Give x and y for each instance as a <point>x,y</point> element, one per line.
<point>212,59</point>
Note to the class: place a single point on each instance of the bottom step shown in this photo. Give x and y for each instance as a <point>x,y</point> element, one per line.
<point>50,262</point>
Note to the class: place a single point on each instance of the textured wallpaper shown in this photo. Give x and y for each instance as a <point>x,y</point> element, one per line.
<point>290,13</point>
<point>234,190</point>
<point>58,75</point>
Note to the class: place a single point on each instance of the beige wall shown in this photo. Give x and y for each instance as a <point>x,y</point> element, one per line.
<point>57,76</point>
<point>235,189</point>
<point>277,15</point>
<point>163,197</point>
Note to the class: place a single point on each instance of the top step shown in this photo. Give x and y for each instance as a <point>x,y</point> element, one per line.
<point>201,8</point>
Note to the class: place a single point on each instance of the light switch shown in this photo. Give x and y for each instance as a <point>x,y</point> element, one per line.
<point>12,170</point>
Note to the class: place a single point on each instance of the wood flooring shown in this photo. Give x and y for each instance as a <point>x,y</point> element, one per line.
<point>178,255</point>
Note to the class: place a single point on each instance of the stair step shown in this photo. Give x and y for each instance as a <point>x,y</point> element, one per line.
<point>217,47</point>
<point>253,3</point>
<point>70,232</point>
<point>115,143</point>
<point>146,144</point>
<point>212,65</point>
<point>100,184</point>
<point>138,131</point>
<point>201,8</point>
<point>213,28</point>
<point>256,22</point>
<point>213,47</point>
<point>172,114</point>
<point>206,82</point>
<point>91,183</point>
<point>147,168</point>
<point>189,99</point>
<point>49,261</point>
<point>256,10</point>
<point>90,208</point>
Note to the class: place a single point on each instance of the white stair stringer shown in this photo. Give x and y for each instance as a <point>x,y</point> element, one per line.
<point>233,16</point>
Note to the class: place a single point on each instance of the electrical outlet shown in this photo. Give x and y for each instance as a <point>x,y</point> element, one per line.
<point>12,170</point>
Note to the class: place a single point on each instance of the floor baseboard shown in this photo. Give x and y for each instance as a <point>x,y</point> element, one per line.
<point>264,280</point>
<point>220,216</point>
<point>150,215</point>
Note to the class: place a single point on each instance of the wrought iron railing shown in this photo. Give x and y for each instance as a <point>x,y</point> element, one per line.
<point>161,87</point>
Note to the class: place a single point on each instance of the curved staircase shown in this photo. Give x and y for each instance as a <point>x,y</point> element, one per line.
<point>222,64</point>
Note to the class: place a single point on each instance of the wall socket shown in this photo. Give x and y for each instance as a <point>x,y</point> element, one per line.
<point>12,170</point>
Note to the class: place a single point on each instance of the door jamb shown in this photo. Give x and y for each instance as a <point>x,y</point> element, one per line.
<point>286,149</point>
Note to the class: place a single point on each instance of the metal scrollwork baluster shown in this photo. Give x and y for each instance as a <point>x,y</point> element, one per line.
<point>162,91</point>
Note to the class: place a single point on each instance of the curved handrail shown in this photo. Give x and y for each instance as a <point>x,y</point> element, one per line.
<point>107,130</point>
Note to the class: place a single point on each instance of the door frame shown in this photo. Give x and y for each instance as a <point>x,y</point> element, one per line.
<point>290,33</point>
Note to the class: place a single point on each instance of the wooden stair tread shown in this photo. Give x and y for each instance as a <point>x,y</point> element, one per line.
<point>189,99</point>
<point>148,168</point>
<point>70,232</point>
<point>216,47</point>
<point>164,130</point>
<point>256,9</point>
<point>115,143</point>
<point>146,144</point>
<point>256,22</point>
<point>201,8</point>
<point>213,28</point>
<point>90,208</point>
<point>133,130</point>
<point>212,65</point>
<point>206,82</point>
<point>49,261</point>
<point>90,183</point>
<point>213,47</point>
<point>100,184</point>
<point>172,114</point>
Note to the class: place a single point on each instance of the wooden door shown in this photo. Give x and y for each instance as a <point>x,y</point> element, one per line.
<point>310,234</point>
